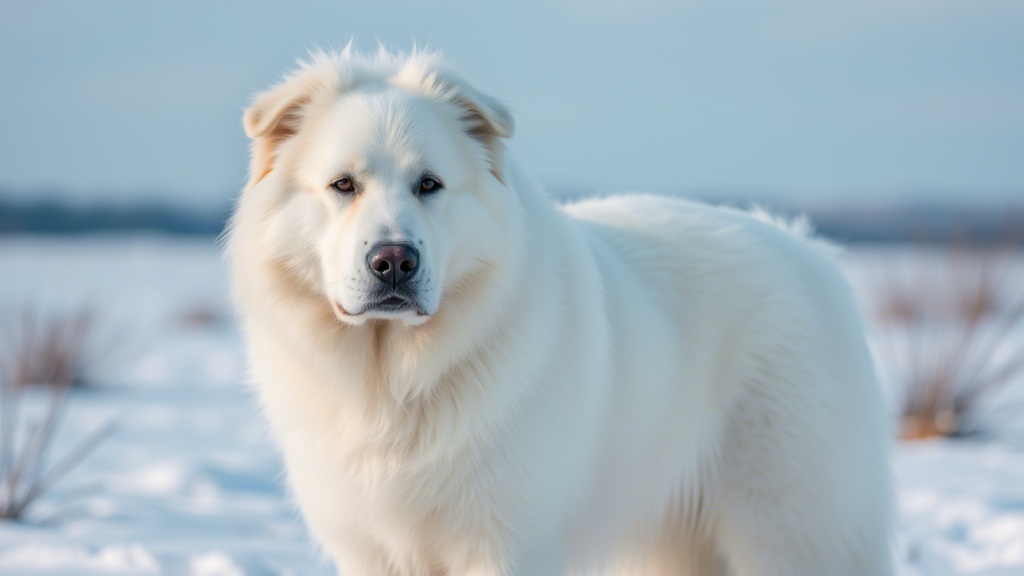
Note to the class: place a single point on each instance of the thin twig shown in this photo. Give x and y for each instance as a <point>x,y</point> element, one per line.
<point>65,465</point>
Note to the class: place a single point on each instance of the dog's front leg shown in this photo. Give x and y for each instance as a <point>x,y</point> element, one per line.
<point>356,557</point>
<point>547,560</point>
<point>528,569</point>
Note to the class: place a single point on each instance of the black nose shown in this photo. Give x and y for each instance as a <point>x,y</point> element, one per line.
<point>393,264</point>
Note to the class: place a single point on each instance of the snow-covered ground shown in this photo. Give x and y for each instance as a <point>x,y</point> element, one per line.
<point>190,483</point>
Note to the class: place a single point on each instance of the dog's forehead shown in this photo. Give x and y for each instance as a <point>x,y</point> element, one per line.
<point>387,129</point>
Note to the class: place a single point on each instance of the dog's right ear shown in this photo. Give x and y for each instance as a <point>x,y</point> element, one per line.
<point>275,116</point>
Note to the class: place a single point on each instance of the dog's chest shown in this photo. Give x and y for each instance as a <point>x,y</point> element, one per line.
<point>411,507</point>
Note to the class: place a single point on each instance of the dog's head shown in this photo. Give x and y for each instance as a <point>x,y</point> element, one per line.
<point>377,181</point>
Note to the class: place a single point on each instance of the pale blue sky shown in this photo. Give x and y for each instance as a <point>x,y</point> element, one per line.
<point>805,101</point>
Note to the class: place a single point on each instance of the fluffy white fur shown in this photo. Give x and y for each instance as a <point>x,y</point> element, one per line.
<point>629,385</point>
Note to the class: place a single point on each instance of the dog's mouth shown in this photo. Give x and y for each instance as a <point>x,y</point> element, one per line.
<point>393,303</point>
<point>383,307</point>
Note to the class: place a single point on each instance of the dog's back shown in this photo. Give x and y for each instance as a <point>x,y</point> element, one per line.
<point>750,385</point>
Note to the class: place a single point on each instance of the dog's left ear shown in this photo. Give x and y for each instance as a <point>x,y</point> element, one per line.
<point>486,120</point>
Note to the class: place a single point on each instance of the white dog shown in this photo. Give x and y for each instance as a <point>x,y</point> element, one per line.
<point>468,379</point>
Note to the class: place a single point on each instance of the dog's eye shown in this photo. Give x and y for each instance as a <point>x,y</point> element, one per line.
<point>344,185</point>
<point>430,184</point>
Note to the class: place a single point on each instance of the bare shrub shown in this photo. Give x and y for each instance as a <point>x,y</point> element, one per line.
<point>951,320</point>
<point>62,346</point>
<point>50,350</point>
<point>200,316</point>
<point>41,352</point>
